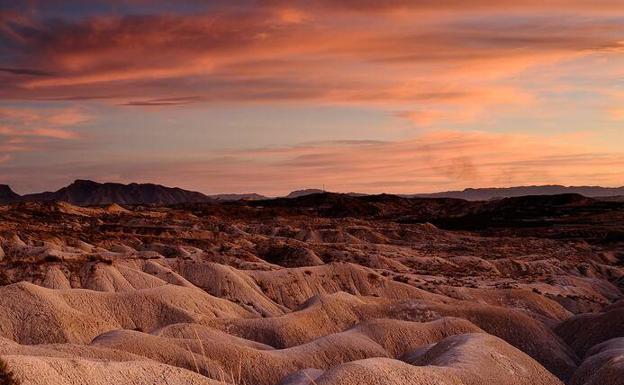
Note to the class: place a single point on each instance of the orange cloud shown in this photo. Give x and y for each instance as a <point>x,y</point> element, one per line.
<point>55,133</point>
<point>449,68</point>
<point>304,52</point>
<point>432,161</point>
<point>617,113</point>
<point>26,130</point>
<point>438,64</point>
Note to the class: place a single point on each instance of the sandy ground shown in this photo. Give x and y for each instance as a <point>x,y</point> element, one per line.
<point>157,295</point>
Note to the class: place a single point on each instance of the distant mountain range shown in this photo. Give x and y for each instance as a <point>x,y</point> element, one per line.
<point>301,193</point>
<point>86,192</point>
<point>483,194</point>
<point>238,197</point>
<point>7,195</point>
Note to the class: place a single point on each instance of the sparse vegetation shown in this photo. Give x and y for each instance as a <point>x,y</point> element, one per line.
<point>52,258</point>
<point>259,321</point>
<point>6,376</point>
<point>222,376</point>
<point>4,278</point>
<point>401,278</point>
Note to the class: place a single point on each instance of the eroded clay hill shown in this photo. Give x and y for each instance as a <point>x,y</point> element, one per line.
<point>342,291</point>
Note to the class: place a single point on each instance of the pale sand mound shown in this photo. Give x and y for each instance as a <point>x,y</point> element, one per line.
<point>333,313</point>
<point>400,337</point>
<point>320,316</point>
<point>516,327</point>
<point>287,253</point>
<point>292,287</point>
<point>302,377</point>
<point>176,352</point>
<point>485,359</point>
<point>229,283</point>
<point>469,359</point>
<point>107,278</point>
<point>259,364</point>
<point>603,365</point>
<point>64,371</point>
<point>262,367</point>
<point>385,371</point>
<point>583,331</point>
<point>368,235</point>
<point>78,315</point>
<point>272,293</point>
<point>205,333</point>
<point>114,208</point>
<point>538,306</point>
<point>8,347</point>
<point>55,278</point>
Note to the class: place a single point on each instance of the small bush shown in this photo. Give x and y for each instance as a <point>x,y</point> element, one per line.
<point>4,278</point>
<point>401,278</point>
<point>6,377</point>
<point>52,258</point>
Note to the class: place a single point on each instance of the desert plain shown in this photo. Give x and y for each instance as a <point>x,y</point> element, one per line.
<point>323,289</point>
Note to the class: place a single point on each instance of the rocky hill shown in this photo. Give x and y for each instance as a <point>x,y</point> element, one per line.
<point>482,194</point>
<point>86,192</point>
<point>7,195</point>
<point>322,289</point>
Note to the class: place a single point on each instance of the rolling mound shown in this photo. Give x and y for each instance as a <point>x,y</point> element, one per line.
<point>474,359</point>
<point>603,364</point>
<point>584,331</point>
<point>318,289</point>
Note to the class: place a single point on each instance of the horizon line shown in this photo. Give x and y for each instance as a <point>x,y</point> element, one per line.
<point>325,190</point>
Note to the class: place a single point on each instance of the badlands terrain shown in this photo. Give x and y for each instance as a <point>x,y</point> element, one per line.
<point>322,289</point>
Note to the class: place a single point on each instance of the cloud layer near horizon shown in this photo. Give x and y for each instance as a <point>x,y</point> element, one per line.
<point>506,70</point>
<point>444,159</point>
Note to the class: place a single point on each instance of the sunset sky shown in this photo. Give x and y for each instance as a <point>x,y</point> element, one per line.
<point>272,96</point>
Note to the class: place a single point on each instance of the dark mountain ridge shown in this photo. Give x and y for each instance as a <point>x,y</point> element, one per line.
<point>8,195</point>
<point>238,197</point>
<point>86,193</point>
<point>449,204</point>
<point>483,194</point>
<point>301,193</point>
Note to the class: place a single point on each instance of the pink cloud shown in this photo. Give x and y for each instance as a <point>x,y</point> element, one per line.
<point>26,129</point>
<point>55,133</point>
<point>438,63</point>
<point>314,53</point>
<point>432,161</point>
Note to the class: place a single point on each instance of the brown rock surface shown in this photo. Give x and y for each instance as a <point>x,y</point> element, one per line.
<point>320,289</point>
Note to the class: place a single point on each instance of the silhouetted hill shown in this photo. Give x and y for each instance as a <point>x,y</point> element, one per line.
<point>368,206</point>
<point>7,195</point>
<point>566,215</point>
<point>238,197</point>
<point>481,194</point>
<point>557,216</point>
<point>326,204</point>
<point>86,192</point>
<point>301,193</point>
